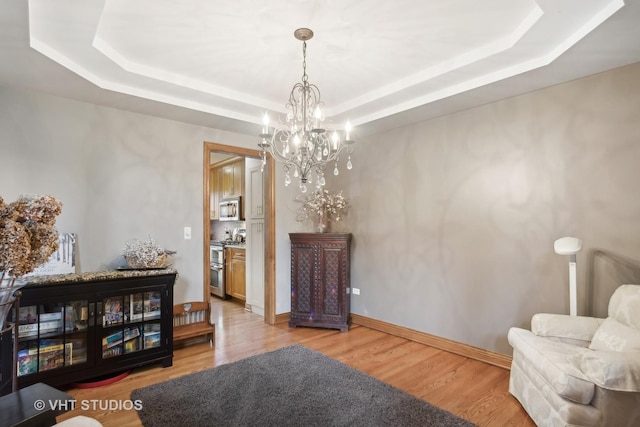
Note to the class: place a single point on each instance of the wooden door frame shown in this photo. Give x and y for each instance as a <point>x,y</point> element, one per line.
<point>269,222</point>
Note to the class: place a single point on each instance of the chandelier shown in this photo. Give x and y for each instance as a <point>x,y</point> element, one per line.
<point>300,142</point>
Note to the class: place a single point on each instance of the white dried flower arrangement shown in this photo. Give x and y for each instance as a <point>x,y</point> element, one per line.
<point>321,202</point>
<point>145,254</point>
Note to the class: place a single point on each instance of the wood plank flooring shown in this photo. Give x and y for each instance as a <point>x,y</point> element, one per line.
<point>470,389</point>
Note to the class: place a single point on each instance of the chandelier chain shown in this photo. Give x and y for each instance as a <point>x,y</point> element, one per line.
<point>300,142</point>
<point>305,78</point>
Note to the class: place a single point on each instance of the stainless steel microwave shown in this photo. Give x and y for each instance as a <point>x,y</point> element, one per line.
<point>230,209</point>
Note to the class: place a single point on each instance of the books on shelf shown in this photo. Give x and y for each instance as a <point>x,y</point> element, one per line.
<point>53,354</point>
<point>152,335</point>
<point>69,318</point>
<point>48,322</point>
<point>151,339</point>
<point>113,312</point>
<point>79,349</point>
<point>28,314</point>
<point>116,338</point>
<point>136,307</point>
<point>31,329</point>
<point>144,306</point>
<point>111,344</point>
<point>50,317</point>
<point>49,354</point>
<point>152,304</point>
<point>132,345</point>
<point>27,362</point>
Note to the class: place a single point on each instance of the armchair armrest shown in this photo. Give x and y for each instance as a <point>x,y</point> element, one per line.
<point>579,328</point>
<point>613,370</point>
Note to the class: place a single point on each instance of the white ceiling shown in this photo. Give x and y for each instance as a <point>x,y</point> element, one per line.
<point>378,63</point>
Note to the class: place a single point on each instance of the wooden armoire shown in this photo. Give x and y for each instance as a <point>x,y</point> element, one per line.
<point>320,280</point>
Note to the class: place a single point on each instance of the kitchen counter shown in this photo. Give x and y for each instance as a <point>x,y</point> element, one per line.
<point>229,244</point>
<point>95,275</point>
<point>236,245</point>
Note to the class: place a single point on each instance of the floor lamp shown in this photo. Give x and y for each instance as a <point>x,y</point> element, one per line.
<point>570,246</point>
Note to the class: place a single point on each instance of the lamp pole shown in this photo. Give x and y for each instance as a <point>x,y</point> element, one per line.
<point>570,246</point>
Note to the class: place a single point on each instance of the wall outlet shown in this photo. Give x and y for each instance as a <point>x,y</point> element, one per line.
<point>187,233</point>
<point>355,291</point>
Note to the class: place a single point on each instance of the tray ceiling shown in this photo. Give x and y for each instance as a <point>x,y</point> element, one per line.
<point>372,60</point>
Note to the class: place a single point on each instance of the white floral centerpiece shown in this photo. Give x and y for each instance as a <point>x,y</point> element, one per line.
<point>145,254</point>
<point>322,206</point>
<point>28,237</point>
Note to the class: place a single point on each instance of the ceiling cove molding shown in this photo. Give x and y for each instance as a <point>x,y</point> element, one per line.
<point>544,32</point>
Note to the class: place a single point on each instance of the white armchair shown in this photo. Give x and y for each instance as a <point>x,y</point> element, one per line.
<point>581,371</point>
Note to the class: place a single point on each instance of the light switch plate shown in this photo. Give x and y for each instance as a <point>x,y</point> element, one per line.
<point>187,233</point>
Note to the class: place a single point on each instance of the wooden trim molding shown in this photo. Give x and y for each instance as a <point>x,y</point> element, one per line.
<point>282,317</point>
<point>492,358</point>
<point>269,222</point>
<point>486,356</point>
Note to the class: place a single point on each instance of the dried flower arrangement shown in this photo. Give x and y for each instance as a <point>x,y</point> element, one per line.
<point>322,205</point>
<point>145,254</point>
<point>28,237</point>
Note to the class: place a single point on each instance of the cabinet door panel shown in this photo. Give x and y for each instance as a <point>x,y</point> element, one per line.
<point>52,336</point>
<point>227,181</point>
<point>329,285</point>
<point>215,192</point>
<point>127,323</point>
<point>257,193</point>
<point>303,272</point>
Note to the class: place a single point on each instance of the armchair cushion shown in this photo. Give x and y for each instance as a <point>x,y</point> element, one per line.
<point>623,305</point>
<point>614,336</point>
<point>553,361</point>
<point>575,328</point>
<point>613,370</point>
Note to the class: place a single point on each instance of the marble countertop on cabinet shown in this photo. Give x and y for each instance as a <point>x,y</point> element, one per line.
<point>236,245</point>
<point>95,275</point>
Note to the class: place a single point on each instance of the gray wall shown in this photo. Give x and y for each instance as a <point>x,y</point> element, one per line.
<point>453,219</point>
<point>119,175</point>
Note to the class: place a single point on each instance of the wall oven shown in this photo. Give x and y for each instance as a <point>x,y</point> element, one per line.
<point>230,209</point>
<point>216,270</point>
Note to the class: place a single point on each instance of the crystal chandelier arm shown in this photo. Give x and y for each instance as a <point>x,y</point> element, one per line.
<point>300,141</point>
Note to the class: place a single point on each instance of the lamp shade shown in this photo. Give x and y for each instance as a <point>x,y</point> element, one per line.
<point>567,246</point>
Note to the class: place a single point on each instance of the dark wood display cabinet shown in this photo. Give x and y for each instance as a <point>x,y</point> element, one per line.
<point>78,327</point>
<point>320,280</point>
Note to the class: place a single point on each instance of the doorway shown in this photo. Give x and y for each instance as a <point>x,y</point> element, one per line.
<point>269,222</point>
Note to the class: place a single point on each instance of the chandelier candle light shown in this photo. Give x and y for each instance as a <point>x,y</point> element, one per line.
<point>300,143</point>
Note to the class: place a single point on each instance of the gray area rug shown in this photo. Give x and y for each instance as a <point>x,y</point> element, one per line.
<point>292,386</point>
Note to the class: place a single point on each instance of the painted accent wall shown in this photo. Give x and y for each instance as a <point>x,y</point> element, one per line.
<point>453,219</point>
<point>119,175</point>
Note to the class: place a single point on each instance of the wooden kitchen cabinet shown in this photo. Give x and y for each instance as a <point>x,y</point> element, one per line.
<point>226,179</point>
<point>236,271</point>
<point>215,191</point>
<point>256,193</point>
<point>233,179</point>
<point>320,280</point>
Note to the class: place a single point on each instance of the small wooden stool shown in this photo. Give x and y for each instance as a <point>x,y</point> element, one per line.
<point>192,320</point>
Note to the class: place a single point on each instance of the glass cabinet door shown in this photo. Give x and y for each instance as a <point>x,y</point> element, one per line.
<point>131,323</point>
<point>52,336</point>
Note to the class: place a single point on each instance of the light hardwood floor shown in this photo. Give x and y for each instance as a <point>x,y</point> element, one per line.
<point>470,389</point>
